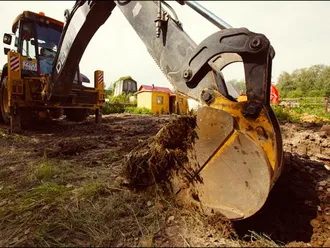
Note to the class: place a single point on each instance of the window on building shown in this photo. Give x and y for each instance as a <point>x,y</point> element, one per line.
<point>125,85</point>
<point>159,99</point>
<point>180,101</point>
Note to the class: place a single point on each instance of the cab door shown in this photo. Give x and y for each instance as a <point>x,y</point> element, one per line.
<point>28,50</point>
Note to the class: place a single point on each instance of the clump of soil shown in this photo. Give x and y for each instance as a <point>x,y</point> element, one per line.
<point>223,225</point>
<point>66,148</point>
<point>156,159</point>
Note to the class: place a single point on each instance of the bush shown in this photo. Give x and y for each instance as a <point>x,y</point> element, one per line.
<point>295,93</point>
<point>112,109</point>
<point>121,99</point>
<point>284,114</point>
<point>315,93</point>
<point>136,110</point>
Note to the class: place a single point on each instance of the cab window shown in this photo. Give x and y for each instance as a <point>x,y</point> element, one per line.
<point>28,42</point>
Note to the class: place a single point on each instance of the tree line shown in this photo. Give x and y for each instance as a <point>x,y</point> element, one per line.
<point>313,81</point>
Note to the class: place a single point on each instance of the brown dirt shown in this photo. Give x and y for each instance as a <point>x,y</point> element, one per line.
<point>297,212</point>
<point>161,156</point>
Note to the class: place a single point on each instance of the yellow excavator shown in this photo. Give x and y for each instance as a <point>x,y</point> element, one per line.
<point>25,76</point>
<point>239,145</point>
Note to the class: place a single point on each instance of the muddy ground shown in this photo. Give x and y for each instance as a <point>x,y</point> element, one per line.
<point>60,185</point>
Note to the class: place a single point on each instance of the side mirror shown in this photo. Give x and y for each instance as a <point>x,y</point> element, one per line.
<point>6,50</point>
<point>7,39</point>
<point>32,42</point>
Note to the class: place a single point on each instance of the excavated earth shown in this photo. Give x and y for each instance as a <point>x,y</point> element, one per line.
<point>69,184</point>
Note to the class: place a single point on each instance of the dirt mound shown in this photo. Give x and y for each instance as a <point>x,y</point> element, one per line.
<point>66,148</point>
<point>157,158</point>
<point>298,207</point>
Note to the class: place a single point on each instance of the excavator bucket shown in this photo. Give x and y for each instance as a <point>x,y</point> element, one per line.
<point>236,161</point>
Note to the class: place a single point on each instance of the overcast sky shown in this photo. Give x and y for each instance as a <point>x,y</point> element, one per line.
<point>299,32</point>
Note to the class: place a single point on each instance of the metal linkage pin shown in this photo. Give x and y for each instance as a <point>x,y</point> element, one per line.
<point>159,19</point>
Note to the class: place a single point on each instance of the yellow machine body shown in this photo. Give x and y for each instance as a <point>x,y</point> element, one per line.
<point>24,87</point>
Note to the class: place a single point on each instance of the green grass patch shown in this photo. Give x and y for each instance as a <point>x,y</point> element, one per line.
<point>41,170</point>
<point>92,190</point>
<point>45,171</point>
<point>136,110</point>
<point>41,195</point>
<point>112,109</point>
<point>285,114</point>
<point>318,111</point>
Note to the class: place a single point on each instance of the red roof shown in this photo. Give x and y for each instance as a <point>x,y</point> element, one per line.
<point>154,88</point>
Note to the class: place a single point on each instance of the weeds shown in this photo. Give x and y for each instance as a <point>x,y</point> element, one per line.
<point>117,104</point>
<point>136,110</point>
<point>302,107</point>
<point>45,171</point>
<point>40,196</point>
<point>91,190</point>
<point>317,111</point>
<point>49,211</point>
<point>261,240</point>
<point>284,114</point>
<point>113,108</point>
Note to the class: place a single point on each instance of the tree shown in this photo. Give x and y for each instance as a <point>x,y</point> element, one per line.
<point>312,81</point>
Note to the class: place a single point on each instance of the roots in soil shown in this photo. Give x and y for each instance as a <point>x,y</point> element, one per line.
<point>158,158</point>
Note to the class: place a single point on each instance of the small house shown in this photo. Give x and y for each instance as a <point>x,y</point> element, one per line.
<point>125,85</point>
<point>161,100</point>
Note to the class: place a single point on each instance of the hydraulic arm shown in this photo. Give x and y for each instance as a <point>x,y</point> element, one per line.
<point>239,147</point>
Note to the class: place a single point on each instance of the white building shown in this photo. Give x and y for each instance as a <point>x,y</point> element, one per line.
<point>125,85</point>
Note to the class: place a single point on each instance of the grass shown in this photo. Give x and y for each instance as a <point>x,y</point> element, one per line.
<point>136,110</point>
<point>92,213</point>
<point>5,136</point>
<point>262,240</point>
<point>46,206</point>
<point>285,115</point>
<point>45,171</point>
<point>118,108</point>
<point>92,190</point>
<point>312,108</point>
<point>112,109</point>
<point>317,111</point>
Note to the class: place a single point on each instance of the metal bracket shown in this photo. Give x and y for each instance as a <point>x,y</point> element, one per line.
<point>162,18</point>
<point>254,49</point>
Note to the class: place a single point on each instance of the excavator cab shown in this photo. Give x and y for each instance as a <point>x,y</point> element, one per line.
<point>27,76</point>
<point>38,38</point>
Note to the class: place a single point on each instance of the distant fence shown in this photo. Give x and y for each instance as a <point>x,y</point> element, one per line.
<point>306,101</point>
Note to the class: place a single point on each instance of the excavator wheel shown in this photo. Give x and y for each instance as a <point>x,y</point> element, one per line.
<point>76,115</point>
<point>55,113</point>
<point>4,101</point>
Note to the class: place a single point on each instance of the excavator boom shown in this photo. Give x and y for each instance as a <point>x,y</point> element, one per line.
<point>238,153</point>
<point>82,23</point>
